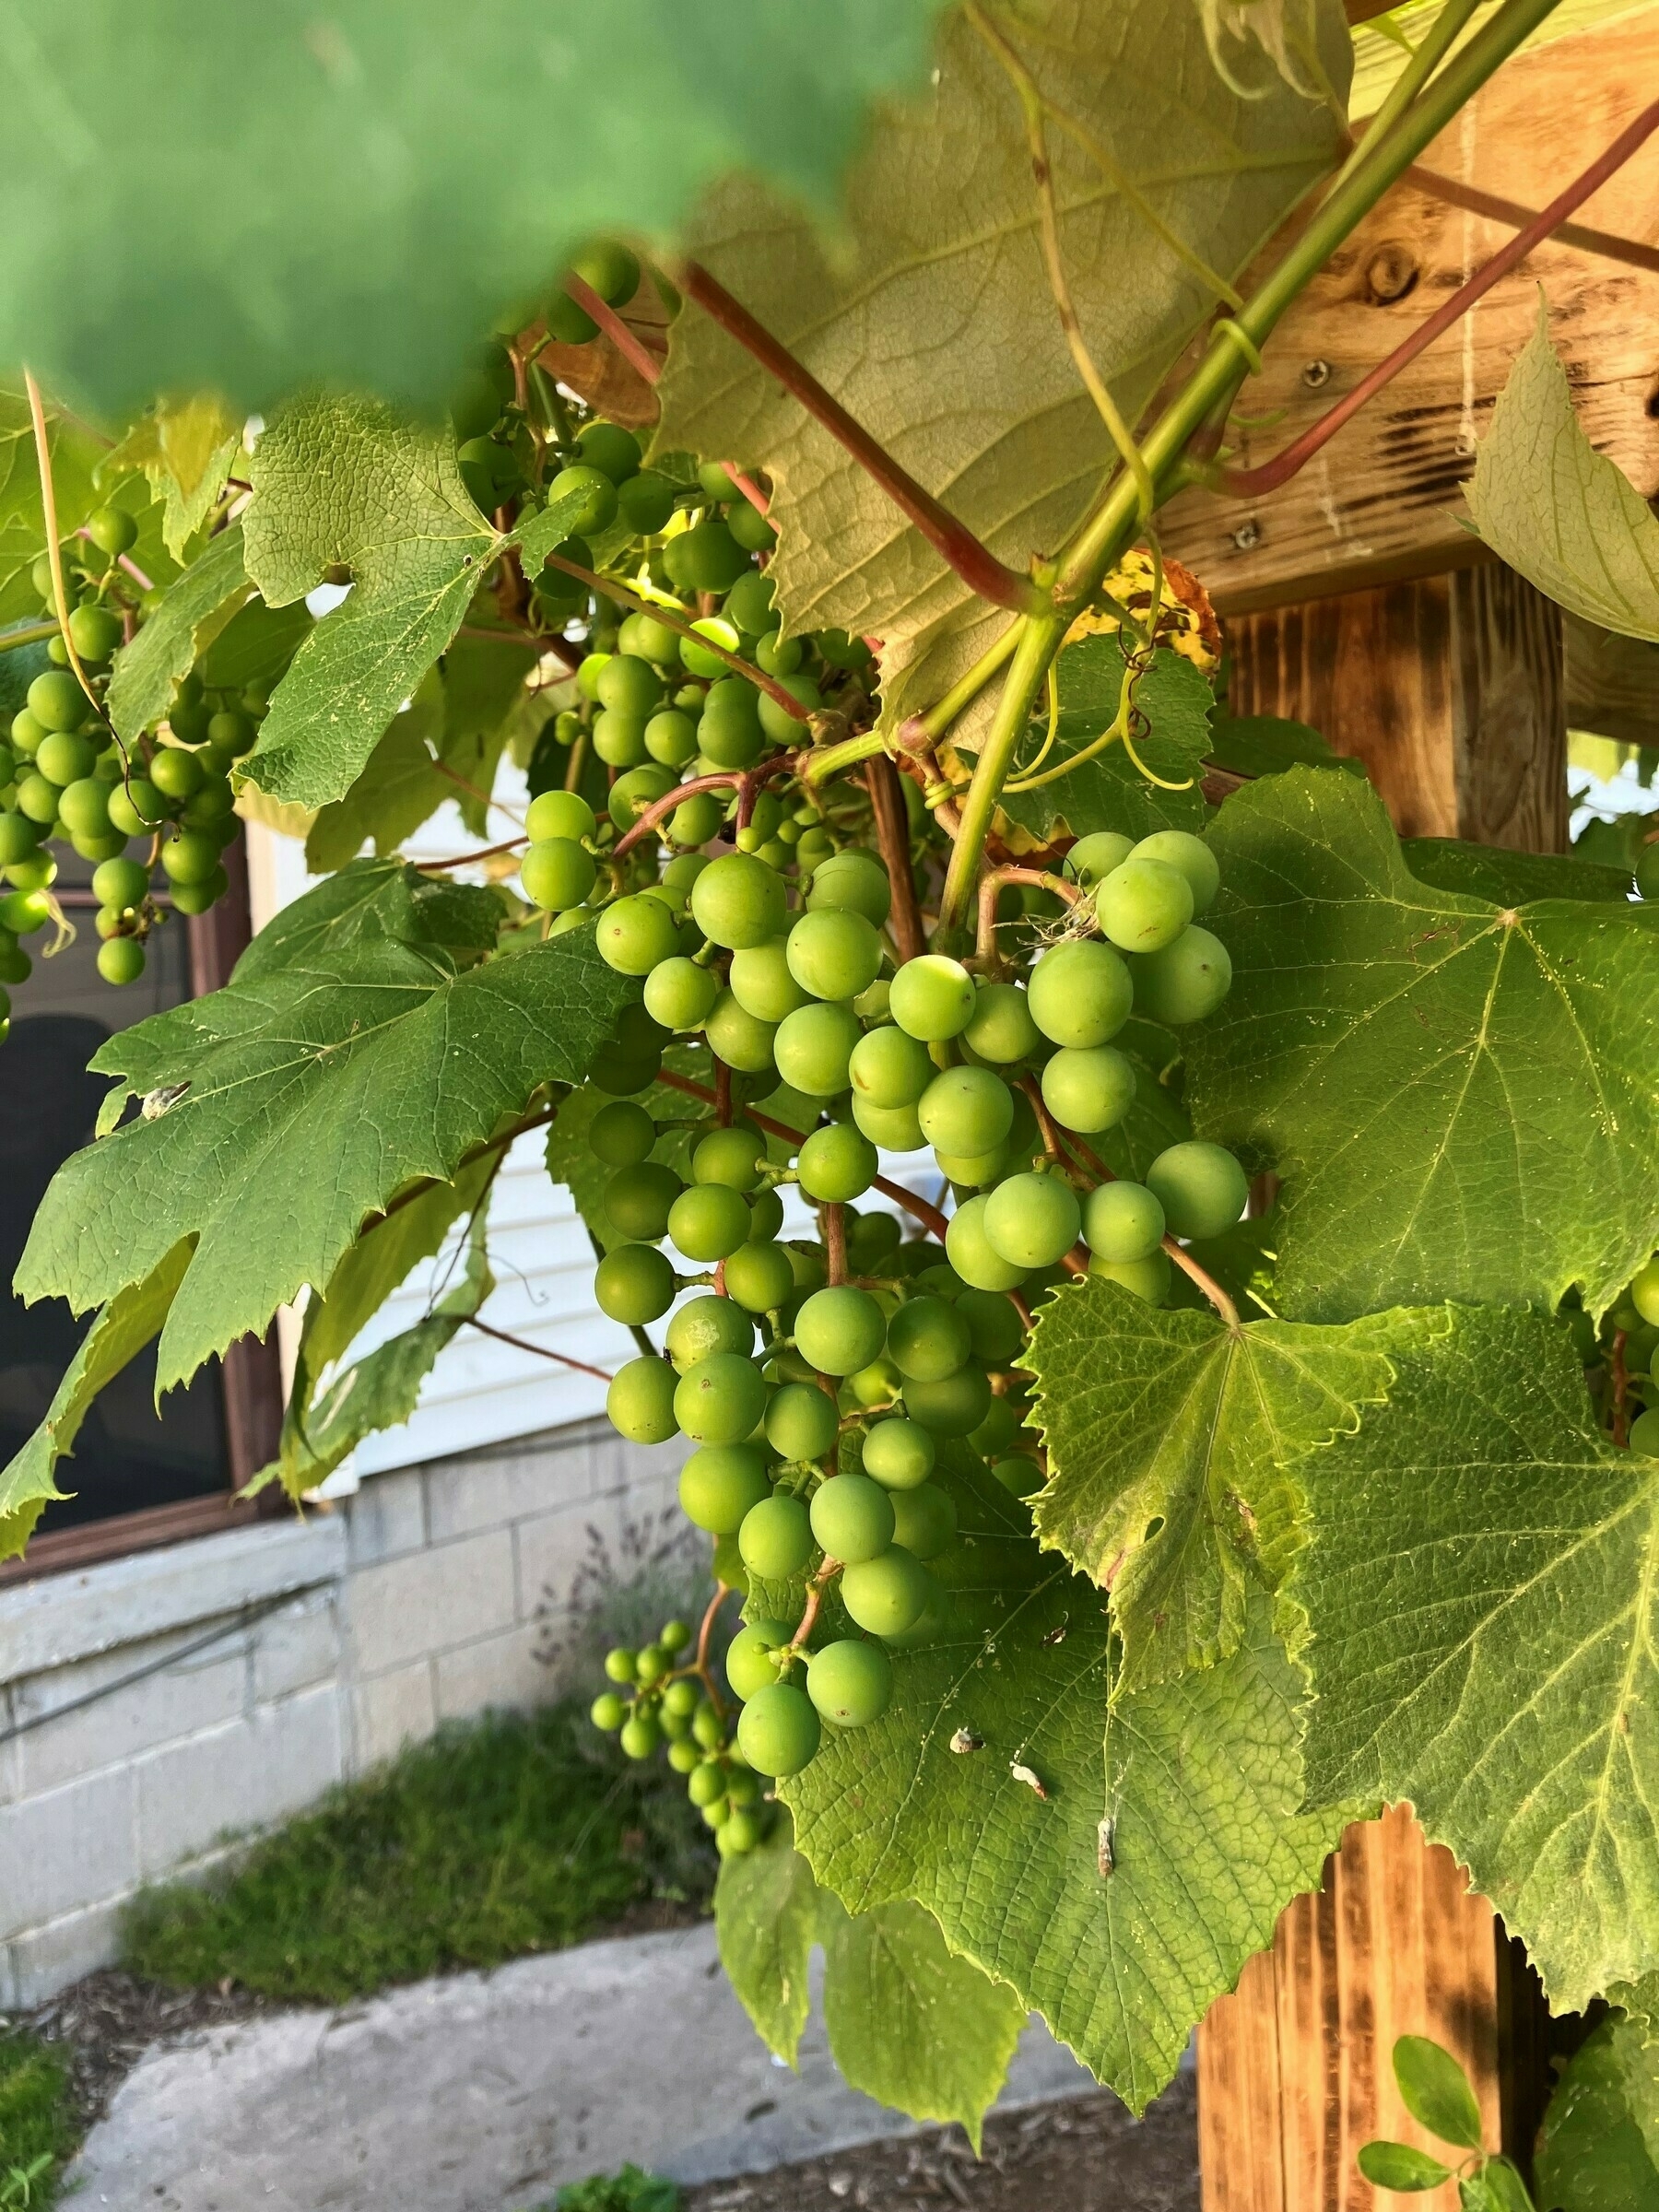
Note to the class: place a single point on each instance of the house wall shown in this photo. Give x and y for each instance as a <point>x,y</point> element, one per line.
<point>284,1656</point>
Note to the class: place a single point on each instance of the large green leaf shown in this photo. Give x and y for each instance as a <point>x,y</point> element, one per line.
<point>1546,502</point>
<point>356,195</point>
<point>399,787</point>
<point>126,1324</point>
<point>1511,879</point>
<point>360,1044</point>
<point>935,325</point>
<point>184,448</point>
<point>1165,1840</point>
<point>766,1914</point>
<point>1482,1592</point>
<point>1593,2154</point>
<point>1174,1444</point>
<point>1462,1097</point>
<point>199,606</point>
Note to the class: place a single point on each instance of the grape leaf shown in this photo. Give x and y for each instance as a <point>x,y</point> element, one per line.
<point>1123,1901</point>
<point>934,326</point>
<point>74,456</point>
<point>766,1916</point>
<point>1552,507</point>
<point>354,197</point>
<point>909,2022</point>
<point>1265,745</point>
<point>1174,1447</point>
<point>1460,1097</point>
<point>196,609</point>
<point>184,447</point>
<point>1481,1588</point>
<point>483,683</point>
<point>399,787</point>
<point>1594,2153</point>
<point>1110,791</point>
<point>29,1483</point>
<point>1511,879</point>
<point>355,1049</point>
<point>256,646</point>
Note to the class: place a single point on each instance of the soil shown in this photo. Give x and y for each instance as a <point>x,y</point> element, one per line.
<point>1087,2154</point>
<point>108,2020</point>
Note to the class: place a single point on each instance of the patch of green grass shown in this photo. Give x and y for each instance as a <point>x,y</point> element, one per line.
<point>37,2123</point>
<point>629,2191</point>
<point>513,1834</point>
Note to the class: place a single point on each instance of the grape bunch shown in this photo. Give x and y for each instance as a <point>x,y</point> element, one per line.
<point>63,778</point>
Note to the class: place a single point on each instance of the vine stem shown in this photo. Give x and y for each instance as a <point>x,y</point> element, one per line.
<point>835,1240</point>
<point>627,343</point>
<point>542,1351</point>
<point>744,780</point>
<point>956,545</point>
<point>1608,244</point>
<point>460,860</point>
<point>1246,483</point>
<point>55,552</point>
<point>893,834</point>
<point>815,1596</point>
<point>1039,642</point>
<point>991,882</point>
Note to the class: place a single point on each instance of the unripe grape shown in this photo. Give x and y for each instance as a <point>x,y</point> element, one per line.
<point>609,1711</point>
<point>671,738</point>
<point>732,1157</point>
<point>1002,1029</point>
<point>899,1454</point>
<point>1644,1291</point>
<point>706,1785</point>
<point>696,820</point>
<point>885,1594</point>
<point>872,1241</point>
<point>708,1221</point>
<point>853,1517</point>
<point>38,800</point>
<point>645,502</point>
<point>197,898</point>
<point>761,983</point>
<point>640,1401</point>
<point>606,445</point>
<point>1018,1475</point>
<point>121,960</point>
<point>766,1217</point>
<point>685,1756</point>
<point>557,873</point>
<point>559,814</point>
<point>65,758</point>
<point>737,1036</point>
<point>1093,858</point>
<point>208,806</point>
<point>57,700</point>
<point>1143,905</point>
<point>837,1163</point>
<point>927,1339</point>
<point>1647,872</point>
<point>924,1521</point>
<point>634,934</point>
<point>1181,850</point>
<point>1031,1220</point>
<point>809,1266</point>
<point>834,953</point>
<point>778,1730</point>
<point>1080,992</point>
<point>1644,1433</point>
<point>653,1664</point>
<point>814,1045</point>
<point>190,857</point>
<point>738,901</point>
<point>37,872</point>
<point>641,1735</point>
<point>112,530</point>
<point>706,1326</point>
<point>120,883</point>
<point>231,734</point>
<point>697,658</point>
<point>84,808</point>
<point>715,1816</point>
<point>776,1537</point>
<point>744,1832</point>
<point>633,1284</point>
<point>1123,1221</point>
<point>1186,981</point>
<point>757,1277</point>
<point>175,773</point>
<point>14,963</point>
<point>893,1128</point>
<point>851,883</point>
<point>850,1682</point>
<point>680,994</point>
<point>749,1665</point>
<point>749,602</point>
<point>780,656</point>
<point>630,685</point>
<point>107,848</point>
<point>19,840</point>
<point>595,497</point>
<point>973,1256</point>
<point>95,631</point>
<point>705,559</point>
<point>1148,1279</point>
<point>622,1665</point>
<point>953,1406</point>
<point>839,1330</point>
<point>642,786</point>
<point>26,735</point>
<point>932,998</point>
<point>997,1431</point>
<point>720,1483</point>
<point>638,1199</point>
<point>967,1110</point>
<point>1089,1087</point>
<point>622,1134</point>
<point>135,807</point>
<point>720,1400</point>
<point>1201,1187</point>
<point>875,1384</point>
<point>781,726</point>
<point>889,1068</point>
<point>802,1421</point>
<point>750,529</point>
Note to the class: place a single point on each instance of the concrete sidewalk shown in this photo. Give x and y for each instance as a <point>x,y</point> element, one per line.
<point>482,2093</point>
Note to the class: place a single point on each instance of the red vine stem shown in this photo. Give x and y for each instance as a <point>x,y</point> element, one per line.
<point>625,342</point>
<point>460,860</point>
<point>893,834</point>
<point>815,1594</point>
<point>1608,243</point>
<point>1247,483</point>
<point>956,545</point>
<point>991,882</point>
<point>725,779</point>
<point>835,1240</point>
<point>542,1351</point>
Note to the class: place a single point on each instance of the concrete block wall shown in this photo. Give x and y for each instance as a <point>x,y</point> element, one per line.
<point>276,1659</point>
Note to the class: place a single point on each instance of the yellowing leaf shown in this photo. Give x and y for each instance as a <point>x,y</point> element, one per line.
<point>184,447</point>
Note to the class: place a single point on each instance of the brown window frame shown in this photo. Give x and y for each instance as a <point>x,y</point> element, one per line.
<point>251,1371</point>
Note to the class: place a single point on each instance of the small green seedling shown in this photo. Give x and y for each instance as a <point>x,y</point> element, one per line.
<point>1436,2092</point>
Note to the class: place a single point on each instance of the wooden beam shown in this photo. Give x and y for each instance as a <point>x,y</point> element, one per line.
<point>1382,500</point>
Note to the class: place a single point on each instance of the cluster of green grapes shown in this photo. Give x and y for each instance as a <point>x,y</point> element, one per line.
<point>657,1700</point>
<point>63,779</point>
<point>1635,1317</point>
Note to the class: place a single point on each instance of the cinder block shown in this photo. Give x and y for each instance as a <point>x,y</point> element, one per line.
<point>500,1671</point>
<point>618,1469</point>
<point>551,1550</point>
<point>390,1711</point>
<point>72,1848</point>
<point>194,1693</point>
<point>430,1600</point>
<point>386,1518</point>
<point>464,1494</point>
<point>243,1776</point>
<point>49,1959</point>
<point>298,1646</point>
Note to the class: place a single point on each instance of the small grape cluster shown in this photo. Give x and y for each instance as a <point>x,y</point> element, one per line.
<point>661,1696</point>
<point>64,777</point>
<point>1629,1364</point>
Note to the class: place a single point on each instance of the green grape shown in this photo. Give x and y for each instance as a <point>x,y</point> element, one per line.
<point>635,1284</point>
<point>697,819</point>
<point>885,1594</point>
<point>1644,1433</point>
<point>706,557</point>
<point>136,808</point>
<point>191,857</point>
<point>955,1406</point>
<point>609,1711</point>
<point>709,1221</point>
<point>620,739</point>
<point>778,1730</point>
<point>1121,1222</point>
<point>607,446</point>
<point>22,912</point>
<point>839,1330</point>
<point>95,632</point>
<point>706,1326</point>
<point>685,1757</point>
<point>112,530</point>
<point>14,963</point>
<point>1143,905</point>
<point>751,528</point>
<point>557,873</point>
<point>622,1134</point>
<point>27,734</point>
<point>120,883</point>
<point>1186,981</point>
<point>775,1539</point>
<point>973,1256</point>
<point>207,806</point>
<point>1201,1187</point>
<point>716,482</point>
<point>874,1003</point>
<point>107,848</point>
<point>720,1401</point>
<point>1148,1279</point>
<point>877,1383</point>
<point>779,655</point>
<point>807,1264</point>
<point>65,758</point>
<point>813,1047</point>
<point>758,1277</point>
<point>737,1036</point>
<point>730,744</point>
<point>802,1421</point>
<point>995,1332</point>
<point>744,1832</point>
<point>641,1735</point>
<point>836,1163</point>
<point>57,700</point>
<point>732,1156</point>
<point>559,814</point>
<point>645,502</point>
<point>1002,1029</point>
<point>1093,858</point>
<point>934,1622</point>
<point>997,1431</point>
<point>175,773</point>
<point>37,872</point>
<point>646,638</point>
<point>19,840</point>
<point>850,1682</point>
<point>653,1664</point>
<point>720,1483</point>
<point>1644,1290</point>
<point>872,1239</point>
<point>640,1399</point>
<point>750,1665</point>
<point>1181,850</point>
<point>780,726</point>
<point>715,1816</point>
<point>1032,1219</point>
<point>197,898</point>
<point>121,960</point>
<point>834,953</point>
<point>852,1517</point>
<point>595,495</point>
<point>891,1068</point>
<point>700,659</point>
<point>630,685</point>
<point>635,934</point>
<point>748,604</point>
<point>680,994</point>
<point>761,983</point>
<point>683,871</point>
<point>670,738</point>
<point>1018,1475</point>
<point>1089,1087</point>
<point>927,1339</point>
<point>966,1110</point>
<point>732,703</point>
<point>899,1454</point>
<point>1080,994</point>
<point>933,998</point>
<point>231,734</point>
<point>893,1128</point>
<point>621,1665</point>
<point>738,901</point>
<point>924,1521</point>
<point>706,1785</point>
<point>706,1728</point>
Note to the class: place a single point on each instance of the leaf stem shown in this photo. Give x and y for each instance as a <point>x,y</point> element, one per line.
<point>632,349</point>
<point>991,882</point>
<point>893,834</point>
<point>542,1351</point>
<point>741,779</point>
<point>1609,244</point>
<point>55,552</point>
<point>1039,641</point>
